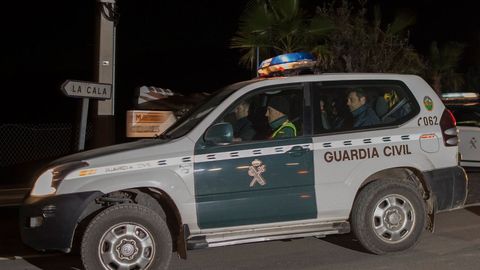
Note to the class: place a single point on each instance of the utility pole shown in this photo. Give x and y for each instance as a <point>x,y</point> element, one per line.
<point>104,115</point>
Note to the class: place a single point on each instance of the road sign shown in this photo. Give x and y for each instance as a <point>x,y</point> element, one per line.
<point>82,89</point>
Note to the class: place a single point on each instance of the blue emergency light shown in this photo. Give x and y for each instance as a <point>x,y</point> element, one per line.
<point>279,64</point>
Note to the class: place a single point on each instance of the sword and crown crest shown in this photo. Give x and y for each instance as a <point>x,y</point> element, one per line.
<point>256,171</point>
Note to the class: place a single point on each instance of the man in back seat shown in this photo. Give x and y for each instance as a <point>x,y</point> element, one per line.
<point>363,114</point>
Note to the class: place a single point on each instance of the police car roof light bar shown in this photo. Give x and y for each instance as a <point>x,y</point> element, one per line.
<point>285,62</point>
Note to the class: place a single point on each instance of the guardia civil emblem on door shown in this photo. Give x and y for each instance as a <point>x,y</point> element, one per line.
<point>473,143</point>
<point>256,171</point>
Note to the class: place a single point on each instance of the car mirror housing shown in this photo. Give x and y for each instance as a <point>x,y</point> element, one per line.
<point>219,134</point>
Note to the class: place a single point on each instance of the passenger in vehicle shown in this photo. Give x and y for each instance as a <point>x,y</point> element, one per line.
<point>242,127</point>
<point>390,107</point>
<point>340,118</point>
<point>325,114</point>
<point>363,114</point>
<point>330,116</point>
<point>277,114</point>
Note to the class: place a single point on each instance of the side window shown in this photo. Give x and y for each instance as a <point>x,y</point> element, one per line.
<point>268,114</point>
<point>351,105</point>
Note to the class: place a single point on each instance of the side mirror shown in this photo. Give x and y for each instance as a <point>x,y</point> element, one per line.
<point>219,134</point>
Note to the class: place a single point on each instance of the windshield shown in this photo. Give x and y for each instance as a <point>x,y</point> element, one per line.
<point>195,115</point>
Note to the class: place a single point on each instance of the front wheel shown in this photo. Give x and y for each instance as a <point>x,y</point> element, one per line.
<point>388,216</point>
<point>126,236</point>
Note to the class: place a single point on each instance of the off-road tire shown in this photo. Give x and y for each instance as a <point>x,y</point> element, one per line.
<point>394,206</point>
<point>117,219</point>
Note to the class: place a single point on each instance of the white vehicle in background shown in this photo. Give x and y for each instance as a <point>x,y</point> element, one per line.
<point>466,109</point>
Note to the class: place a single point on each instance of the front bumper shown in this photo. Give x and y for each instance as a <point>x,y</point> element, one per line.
<point>48,223</point>
<point>448,186</point>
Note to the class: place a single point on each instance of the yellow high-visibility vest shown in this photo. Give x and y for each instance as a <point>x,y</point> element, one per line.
<point>286,124</point>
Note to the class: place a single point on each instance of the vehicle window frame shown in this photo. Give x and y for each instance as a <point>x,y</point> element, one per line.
<point>264,89</point>
<point>415,110</point>
<point>221,95</point>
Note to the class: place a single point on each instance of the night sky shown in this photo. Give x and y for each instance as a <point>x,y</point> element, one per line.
<point>181,45</point>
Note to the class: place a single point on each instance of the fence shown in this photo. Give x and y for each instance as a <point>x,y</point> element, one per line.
<point>21,143</point>
<point>25,148</point>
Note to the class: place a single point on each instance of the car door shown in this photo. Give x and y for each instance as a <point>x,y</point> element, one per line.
<point>345,152</point>
<point>468,124</point>
<point>260,181</point>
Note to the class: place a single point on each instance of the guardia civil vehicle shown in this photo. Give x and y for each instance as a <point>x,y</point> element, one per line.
<point>130,206</point>
<point>465,106</point>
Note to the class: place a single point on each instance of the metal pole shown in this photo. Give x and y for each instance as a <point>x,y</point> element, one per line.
<point>83,124</point>
<point>106,59</point>
<point>104,127</point>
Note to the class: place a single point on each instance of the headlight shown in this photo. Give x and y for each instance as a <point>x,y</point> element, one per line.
<point>43,184</point>
<point>47,183</point>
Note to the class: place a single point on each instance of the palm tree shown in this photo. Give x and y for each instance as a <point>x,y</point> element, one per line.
<point>442,63</point>
<point>342,38</point>
<point>277,27</point>
<point>359,44</point>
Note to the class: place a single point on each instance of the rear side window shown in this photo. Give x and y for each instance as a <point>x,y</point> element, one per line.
<point>355,105</point>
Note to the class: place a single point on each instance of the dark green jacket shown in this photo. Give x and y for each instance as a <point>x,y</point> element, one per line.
<point>283,128</point>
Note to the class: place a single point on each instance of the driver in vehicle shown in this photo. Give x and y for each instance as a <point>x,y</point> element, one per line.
<point>242,127</point>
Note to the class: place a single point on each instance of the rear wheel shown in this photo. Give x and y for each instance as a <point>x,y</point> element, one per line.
<point>388,216</point>
<point>126,236</point>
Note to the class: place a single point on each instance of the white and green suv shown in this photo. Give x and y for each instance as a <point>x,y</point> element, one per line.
<point>198,186</point>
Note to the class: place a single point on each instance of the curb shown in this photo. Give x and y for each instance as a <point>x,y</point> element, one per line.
<point>12,258</point>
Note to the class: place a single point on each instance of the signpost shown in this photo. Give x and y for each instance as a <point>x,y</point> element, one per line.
<point>85,90</point>
<point>82,89</point>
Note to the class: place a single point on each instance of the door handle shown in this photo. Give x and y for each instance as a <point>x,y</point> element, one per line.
<point>297,151</point>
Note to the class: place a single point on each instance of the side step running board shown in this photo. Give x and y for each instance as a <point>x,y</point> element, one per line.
<point>319,230</point>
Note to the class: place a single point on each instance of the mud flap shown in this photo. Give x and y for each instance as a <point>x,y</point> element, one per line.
<point>473,194</point>
<point>182,241</point>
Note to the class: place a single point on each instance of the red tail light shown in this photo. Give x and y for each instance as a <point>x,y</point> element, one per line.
<point>448,125</point>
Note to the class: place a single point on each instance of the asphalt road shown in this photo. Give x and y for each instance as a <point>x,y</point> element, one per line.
<point>454,245</point>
